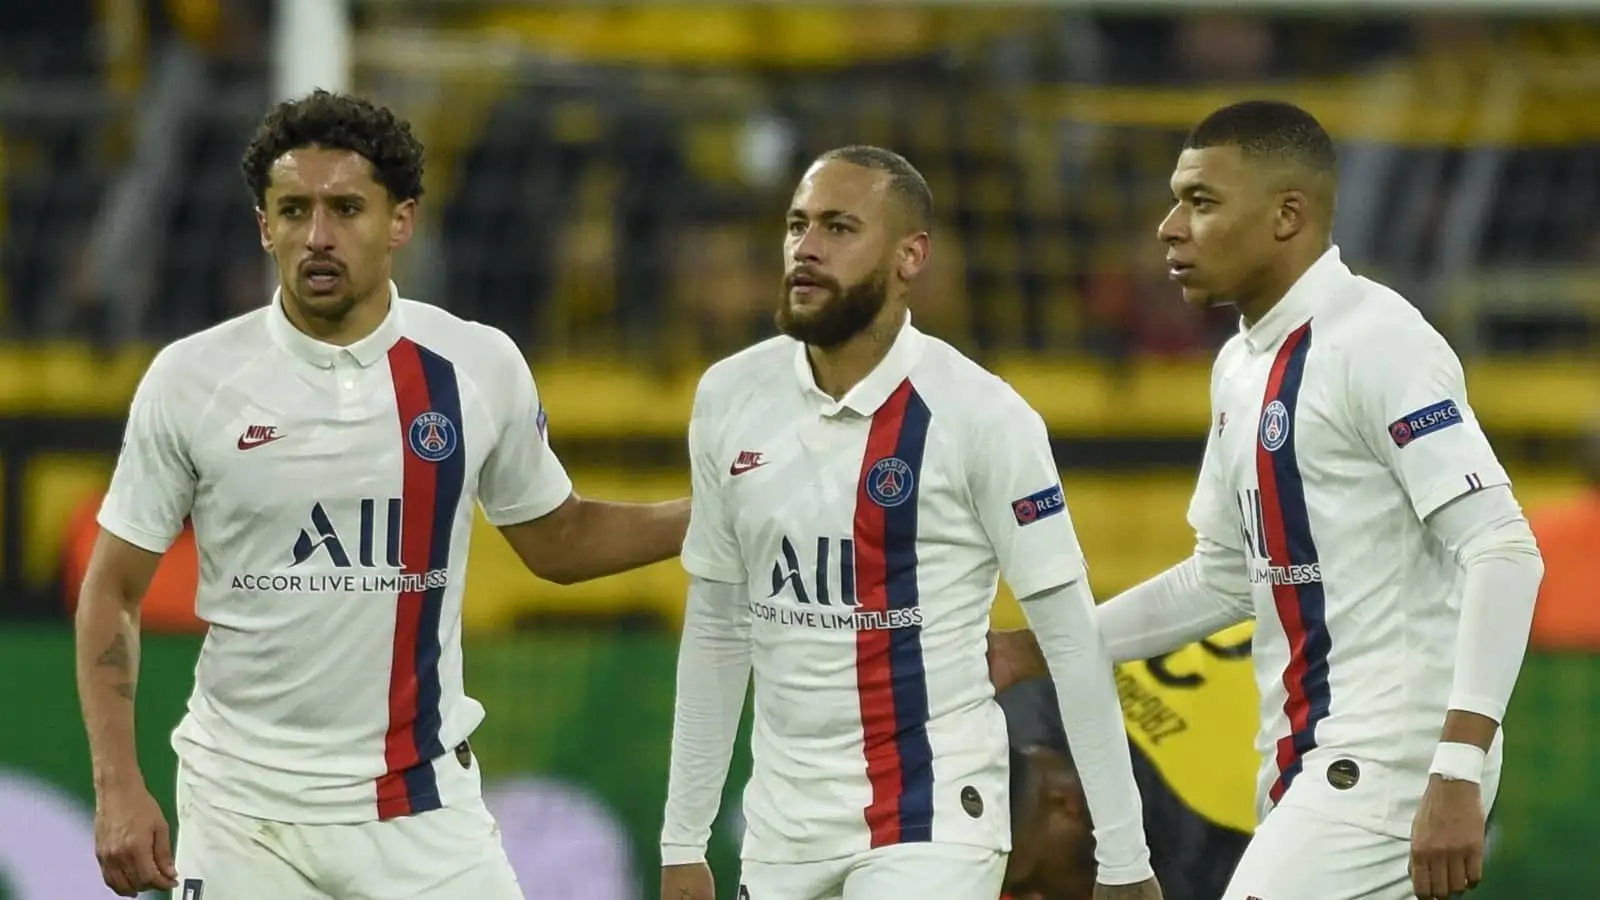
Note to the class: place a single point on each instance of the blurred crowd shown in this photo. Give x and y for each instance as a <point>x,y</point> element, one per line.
<point>611,179</point>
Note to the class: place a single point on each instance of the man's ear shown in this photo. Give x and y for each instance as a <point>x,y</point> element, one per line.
<point>1293,215</point>
<point>913,256</point>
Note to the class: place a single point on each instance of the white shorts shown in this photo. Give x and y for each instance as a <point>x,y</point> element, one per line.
<point>443,854</point>
<point>1300,854</point>
<point>920,871</point>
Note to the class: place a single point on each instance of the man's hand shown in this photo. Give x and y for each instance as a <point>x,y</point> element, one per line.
<point>1447,839</point>
<point>1014,657</point>
<point>1144,890</point>
<point>132,841</point>
<point>687,882</point>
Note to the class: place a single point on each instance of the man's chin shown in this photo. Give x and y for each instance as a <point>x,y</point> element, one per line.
<point>1201,299</point>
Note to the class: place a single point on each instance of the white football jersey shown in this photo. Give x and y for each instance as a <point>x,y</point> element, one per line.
<point>331,491</point>
<point>870,533</point>
<point>1340,423</point>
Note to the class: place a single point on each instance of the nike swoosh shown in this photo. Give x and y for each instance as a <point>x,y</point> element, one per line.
<point>251,444</point>
<point>737,469</point>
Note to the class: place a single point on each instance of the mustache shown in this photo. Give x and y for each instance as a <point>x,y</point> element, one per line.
<point>321,263</point>
<point>810,277</point>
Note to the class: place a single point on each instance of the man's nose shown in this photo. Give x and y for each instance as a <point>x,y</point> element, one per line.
<point>1173,228</point>
<point>320,235</point>
<point>808,249</point>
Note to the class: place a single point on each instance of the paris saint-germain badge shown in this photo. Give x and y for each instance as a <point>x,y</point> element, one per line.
<point>890,482</point>
<point>1274,426</point>
<point>433,437</point>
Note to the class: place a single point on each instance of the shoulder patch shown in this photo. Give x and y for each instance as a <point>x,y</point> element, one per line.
<point>1039,505</point>
<point>1424,421</point>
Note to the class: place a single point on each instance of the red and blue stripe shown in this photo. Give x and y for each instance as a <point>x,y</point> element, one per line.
<point>1302,608</point>
<point>890,677</point>
<point>424,381</point>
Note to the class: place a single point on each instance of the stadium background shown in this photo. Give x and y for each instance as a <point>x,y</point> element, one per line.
<point>605,183</point>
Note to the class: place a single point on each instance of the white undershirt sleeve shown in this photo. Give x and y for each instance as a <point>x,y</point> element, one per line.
<point>713,676</point>
<point>1062,619</point>
<point>1198,597</point>
<point>1488,535</point>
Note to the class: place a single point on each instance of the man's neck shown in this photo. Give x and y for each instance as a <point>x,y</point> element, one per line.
<point>1278,282</point>
<point>838,369</point>
<point>362,320</point>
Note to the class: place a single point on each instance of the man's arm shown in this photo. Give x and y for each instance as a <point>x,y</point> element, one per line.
<point>1062,620</point>
<point>1489,537</point>
<point>107,627</point>
<point>583,539</point>
<point>1016,490</point>
<point>152,490</point>
<point>713,661</point>
<point>525,491</point>
<point>713,677</point>
<point>1197,598</point>
<point>1408,400</point>
<point>1200,596</point>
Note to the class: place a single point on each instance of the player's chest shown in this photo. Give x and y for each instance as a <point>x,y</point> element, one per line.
<point>835,479</point>
<point>1280,414</point>
<point>340,434</point>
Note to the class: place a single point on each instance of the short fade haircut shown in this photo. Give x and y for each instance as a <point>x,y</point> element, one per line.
<point>337,122</point>
<point>1268,129</point>
<point>906,184</point>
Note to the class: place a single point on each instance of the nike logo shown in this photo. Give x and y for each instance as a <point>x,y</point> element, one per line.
<point>256,435</point>
<point>747,460</point>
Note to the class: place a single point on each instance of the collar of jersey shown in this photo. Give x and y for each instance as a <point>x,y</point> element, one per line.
<point>1305,297</point>
<point>871,391</point>
<point>365,352</point>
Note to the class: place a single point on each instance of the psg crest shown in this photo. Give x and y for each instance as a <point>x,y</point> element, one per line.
<point>1274,426</point>
<point>889,482</point>
<point>432,436</point>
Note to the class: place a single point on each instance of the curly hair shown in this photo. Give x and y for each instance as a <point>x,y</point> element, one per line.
<point>341,122</point>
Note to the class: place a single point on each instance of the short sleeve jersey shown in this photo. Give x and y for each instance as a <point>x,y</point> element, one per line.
<point>331,490</point>
<point>869,534</point>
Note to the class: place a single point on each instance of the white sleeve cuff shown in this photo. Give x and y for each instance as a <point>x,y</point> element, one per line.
<point>1488,535</point>
<point>1194,599</point>
<point>1063,622</point>
<point>143,538</point>
<point>682,854</point>
<point>700,567</point>
<point>555,493</point>
<point>713,674</point>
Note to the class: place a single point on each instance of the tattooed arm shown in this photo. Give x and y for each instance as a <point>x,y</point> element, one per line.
<point>108,653</point>
<point>151,494</point>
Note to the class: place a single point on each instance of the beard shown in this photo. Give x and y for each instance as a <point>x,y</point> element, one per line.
<point>845,313</point>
